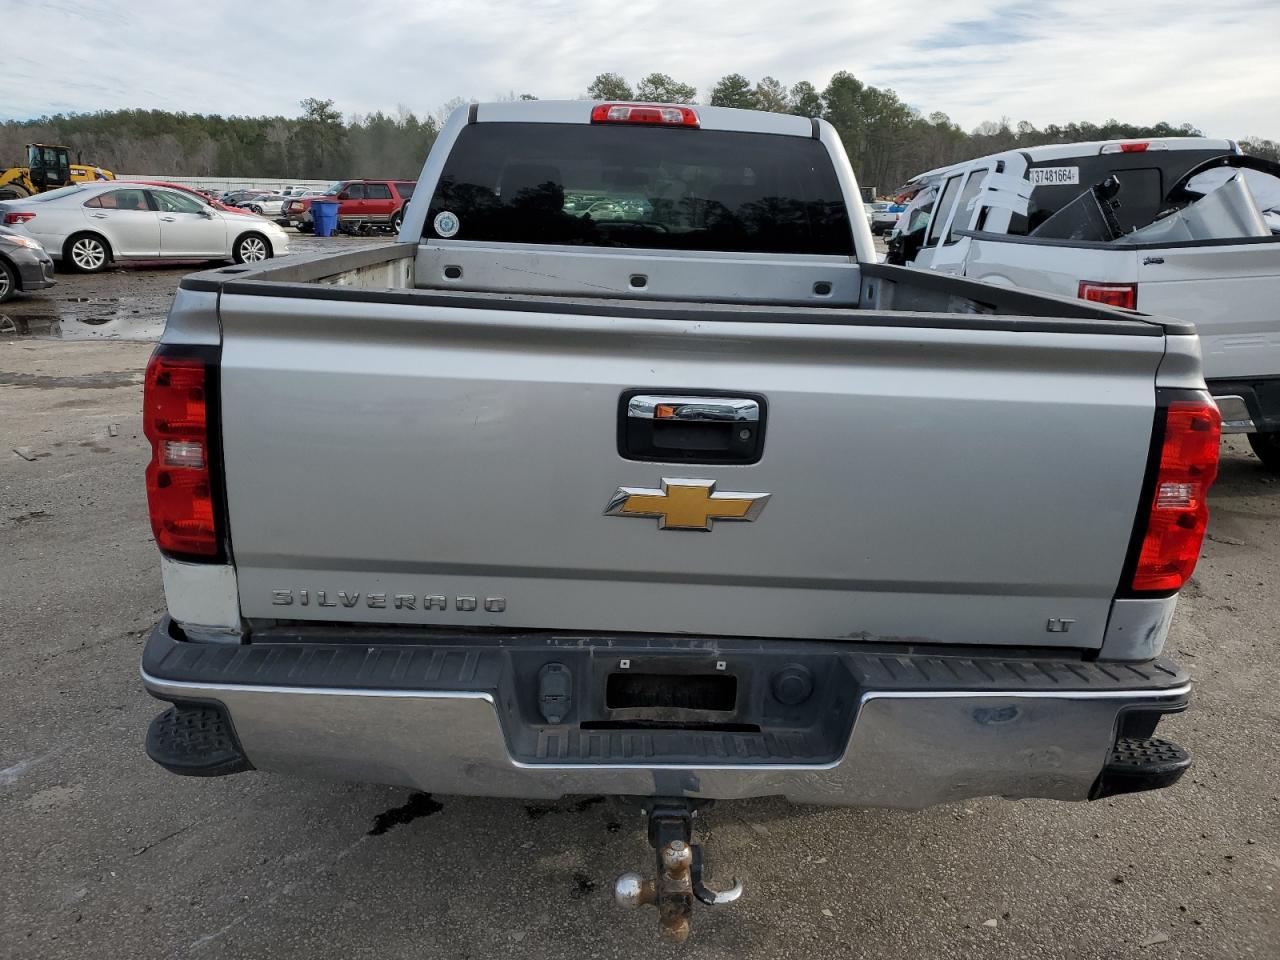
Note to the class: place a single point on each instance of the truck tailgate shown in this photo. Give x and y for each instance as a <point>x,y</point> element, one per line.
<point>1231,291</point>
<point>926,484</point>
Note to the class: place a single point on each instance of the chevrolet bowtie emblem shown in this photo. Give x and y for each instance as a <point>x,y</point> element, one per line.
<point>685,504</point>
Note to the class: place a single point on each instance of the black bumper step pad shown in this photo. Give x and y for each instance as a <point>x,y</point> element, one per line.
<point>1141,763</point>
<point>389,659</point>
<point>196,740</point>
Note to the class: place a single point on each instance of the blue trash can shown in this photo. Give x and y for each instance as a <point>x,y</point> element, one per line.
<point>324,216</point>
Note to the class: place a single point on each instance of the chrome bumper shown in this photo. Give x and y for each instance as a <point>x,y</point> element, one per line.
<point>1235,415</point>
<point>907,748</point>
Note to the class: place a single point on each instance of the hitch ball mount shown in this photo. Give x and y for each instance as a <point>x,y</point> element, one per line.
<point>679,870</point>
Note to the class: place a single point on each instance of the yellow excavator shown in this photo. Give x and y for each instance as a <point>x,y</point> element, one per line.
<point>48,167</point>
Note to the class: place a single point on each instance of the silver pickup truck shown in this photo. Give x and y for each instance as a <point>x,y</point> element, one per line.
<point>630,471</point>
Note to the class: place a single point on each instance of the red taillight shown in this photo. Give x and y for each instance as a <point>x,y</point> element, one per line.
<point>650,113</point>
<point>1179,506</point>
<point>12,218</point>
<point>1112,294</point>
<point>175,418</point>
<point>1134,147</point>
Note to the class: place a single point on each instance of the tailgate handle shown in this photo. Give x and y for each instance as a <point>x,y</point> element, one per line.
<point>694,409</point>
<point>691,429</point>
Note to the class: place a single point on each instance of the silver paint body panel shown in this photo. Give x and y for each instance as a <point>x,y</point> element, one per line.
<point>948,485</point>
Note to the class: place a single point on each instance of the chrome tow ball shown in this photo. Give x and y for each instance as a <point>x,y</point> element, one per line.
<point>679,871</point>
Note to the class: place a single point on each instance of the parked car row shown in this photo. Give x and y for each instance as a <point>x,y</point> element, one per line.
<point>246,197</point>
<point>362,204</point>
<point>88,226</point>
<point>265,205</point>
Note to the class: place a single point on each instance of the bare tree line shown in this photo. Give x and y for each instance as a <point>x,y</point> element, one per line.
<point>886,139</point>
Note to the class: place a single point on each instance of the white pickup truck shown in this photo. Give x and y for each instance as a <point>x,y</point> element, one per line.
<point>690,501</point>
<point>1184,226</point>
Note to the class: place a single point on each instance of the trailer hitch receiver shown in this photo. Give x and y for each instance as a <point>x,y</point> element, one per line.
<point>679,871</point>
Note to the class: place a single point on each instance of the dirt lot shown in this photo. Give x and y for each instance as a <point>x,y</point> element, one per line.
<point>106,855</point>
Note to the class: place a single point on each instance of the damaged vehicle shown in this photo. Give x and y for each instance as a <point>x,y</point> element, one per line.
<point>1183,226</point>
<point>25,266</point>
<point>533,504</point>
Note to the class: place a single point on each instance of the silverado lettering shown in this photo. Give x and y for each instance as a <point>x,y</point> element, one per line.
<point>407,601</point>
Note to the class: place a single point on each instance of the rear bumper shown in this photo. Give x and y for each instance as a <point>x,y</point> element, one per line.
<point>454,717</point>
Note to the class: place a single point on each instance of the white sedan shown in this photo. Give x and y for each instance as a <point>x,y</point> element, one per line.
<point>89,225</point>
<point>265,205</point>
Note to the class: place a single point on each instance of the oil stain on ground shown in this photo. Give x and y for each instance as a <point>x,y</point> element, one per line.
<point>35,516</point>
<point>536,811</point>
<point>418,805</point>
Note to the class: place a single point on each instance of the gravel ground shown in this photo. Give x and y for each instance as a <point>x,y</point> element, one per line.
<point>106,855</point>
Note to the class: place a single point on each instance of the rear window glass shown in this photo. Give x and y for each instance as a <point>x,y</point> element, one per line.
<point>405,189</point>
<point>377,191</point>
<point>645,187</point>
<point>1145,178</point>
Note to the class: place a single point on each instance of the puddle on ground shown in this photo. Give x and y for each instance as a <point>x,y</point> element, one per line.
<point>49,327</point>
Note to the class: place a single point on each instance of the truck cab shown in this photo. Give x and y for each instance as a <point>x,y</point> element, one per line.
<point>50,166</point>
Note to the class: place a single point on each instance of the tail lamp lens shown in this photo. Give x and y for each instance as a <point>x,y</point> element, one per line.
<point>12,219</point>
<point>1179,507</point>
<point>1112,294</point>
<point>175,418</point>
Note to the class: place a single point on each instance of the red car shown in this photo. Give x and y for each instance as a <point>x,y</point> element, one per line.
<point>204,197</point>
<point>378,203</point>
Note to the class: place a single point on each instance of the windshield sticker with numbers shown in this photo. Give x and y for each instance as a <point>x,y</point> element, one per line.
<point>1053,176</point>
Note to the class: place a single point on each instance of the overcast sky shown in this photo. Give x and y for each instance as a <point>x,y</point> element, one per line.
<point>1212,63</point>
